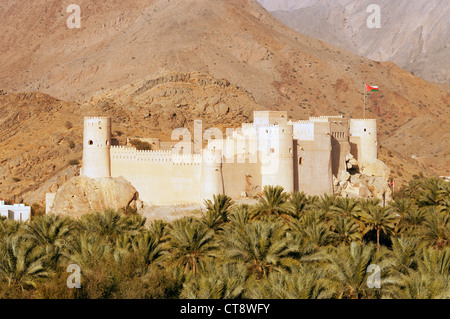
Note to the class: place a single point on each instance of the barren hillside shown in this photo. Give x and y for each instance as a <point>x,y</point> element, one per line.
<point>414,34</point>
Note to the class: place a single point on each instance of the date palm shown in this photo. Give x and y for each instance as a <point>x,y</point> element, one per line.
<point>305,282</point>
<point>347,269</point>
<point>217,211</point>
<point>148,248</point>
<point>414,219</point>
<point>404,253</point>
<point>216,281</point>
<point>431,194</point>
<point>317,234</point>
<point>273,201</point>
<point>189,244</point>
<point>22,261</point>
<point>436,229</point>
<point>381,219</point>
<point>263,247</point>
<point>346,230</point>
<point>435,262</point>
<point>9,227</point>
<point>417,285</point>
<point>50,230</point>
<point>298,203</point>
<point>346,207</point>
<point>110,224</point>
<point>88,249</point>
<point>240,216</point>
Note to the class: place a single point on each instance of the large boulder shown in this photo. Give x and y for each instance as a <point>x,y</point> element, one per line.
<point>82,195</point>
<point>377,169</point>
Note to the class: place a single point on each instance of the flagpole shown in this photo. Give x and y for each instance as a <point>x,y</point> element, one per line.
<point>364,101</point>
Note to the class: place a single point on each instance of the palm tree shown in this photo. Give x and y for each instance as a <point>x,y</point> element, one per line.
<point>216,281</point>
<point>436,230</point>
<point>240,216</point>
<point>298,204</point>
<point>217,211</point>
<point>435,262</point>
<point>87,249</point>
<point>431,193</point>
<point>189,244</point>
<point>110,224</point>
<point>378,218</point>
<point>274,201</point>
<point>325,202</point>
<point>50,230</point>
<point>148,248</point>
<point>158,230</point>
<point>346,230</point>
<point>403,207</point>
<point>346,207</point>
<point>316,234</point>
<point>404,253</point>
<point>9,227</point>
<point>417,285</point>
<point>263,247</point>
<point>21,261</point>
<point>305,282</point>
<point>347,269</point>
<point>414,219</point>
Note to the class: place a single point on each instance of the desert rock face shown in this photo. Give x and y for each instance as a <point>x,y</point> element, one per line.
<point>407,37</point>
<point>82,195</point>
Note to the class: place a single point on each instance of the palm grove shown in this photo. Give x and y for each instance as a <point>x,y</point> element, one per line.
<point>286,246</point>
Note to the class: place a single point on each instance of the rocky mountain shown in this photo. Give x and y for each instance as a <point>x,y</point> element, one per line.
<point>156,65</point>
<point>413,34</point>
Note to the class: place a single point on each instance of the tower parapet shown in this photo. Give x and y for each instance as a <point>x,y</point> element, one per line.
<point>211,178</point>
<point>276,145</point>
<point>96,147</point>
<point>363,136</point>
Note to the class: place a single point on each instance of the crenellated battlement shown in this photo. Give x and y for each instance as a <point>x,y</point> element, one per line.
<point>124,153</point>
<point>97,118</point>
<point>363,120</point>
<point>326,117</point>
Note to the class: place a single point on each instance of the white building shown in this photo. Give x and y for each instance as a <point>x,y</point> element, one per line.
<point>17,212</point>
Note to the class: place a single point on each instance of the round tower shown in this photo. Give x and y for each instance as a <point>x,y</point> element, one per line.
<point>277,156</point>
<point>212,179</point>
<point>96,147</point>
<point>363,133</point>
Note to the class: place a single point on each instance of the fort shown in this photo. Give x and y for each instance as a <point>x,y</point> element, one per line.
<point>273,150</point>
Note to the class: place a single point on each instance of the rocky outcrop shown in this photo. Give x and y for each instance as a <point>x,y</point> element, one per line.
<point>82,195</point>
<point>364,180</point>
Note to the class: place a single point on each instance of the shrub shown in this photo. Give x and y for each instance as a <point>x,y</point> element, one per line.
<point>74,162</point>
<point>140,145</point>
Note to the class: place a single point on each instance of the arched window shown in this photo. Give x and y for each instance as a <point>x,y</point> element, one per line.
<point>91,142</point>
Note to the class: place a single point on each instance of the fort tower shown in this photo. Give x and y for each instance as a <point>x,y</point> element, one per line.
<point>96,147</point>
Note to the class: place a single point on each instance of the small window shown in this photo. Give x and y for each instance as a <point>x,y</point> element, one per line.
<point>272,150</point>
<point>300,161</point>
<point>107,142</point>
<point>365,130</point>
<point>91,142</point>
<point>290,151</point>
